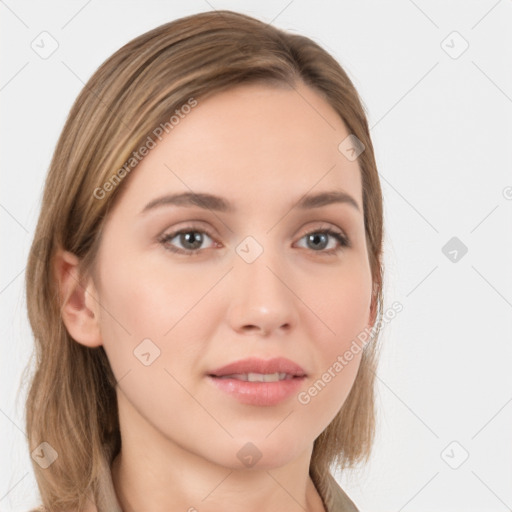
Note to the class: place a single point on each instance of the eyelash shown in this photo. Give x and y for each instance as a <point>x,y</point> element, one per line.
<point>165,238</point>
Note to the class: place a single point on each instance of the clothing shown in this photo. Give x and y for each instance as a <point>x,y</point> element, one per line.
<point>333,496</point>
<point>335,499</point>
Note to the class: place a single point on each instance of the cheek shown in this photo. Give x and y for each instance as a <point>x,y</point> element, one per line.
<point>340,330</point>
<point>154,312</point>
<point>341,305</point>
<point>146,300</point>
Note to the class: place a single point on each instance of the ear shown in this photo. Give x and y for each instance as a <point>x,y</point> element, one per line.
<point>78,300</point>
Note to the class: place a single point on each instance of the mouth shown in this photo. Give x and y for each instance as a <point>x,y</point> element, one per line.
<point>259,382</point>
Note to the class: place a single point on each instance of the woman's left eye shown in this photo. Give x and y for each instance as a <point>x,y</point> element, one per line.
<point>192,239</point>
<point>321,238</point>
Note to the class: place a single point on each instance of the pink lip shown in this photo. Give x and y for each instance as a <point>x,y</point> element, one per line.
<point>259,393</point>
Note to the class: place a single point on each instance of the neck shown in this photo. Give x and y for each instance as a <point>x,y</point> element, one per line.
<point>153,481</point>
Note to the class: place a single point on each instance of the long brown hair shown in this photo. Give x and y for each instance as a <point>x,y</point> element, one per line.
<point>71,403</point>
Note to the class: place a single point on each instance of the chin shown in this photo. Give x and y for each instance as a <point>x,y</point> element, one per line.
<point>264,453</point>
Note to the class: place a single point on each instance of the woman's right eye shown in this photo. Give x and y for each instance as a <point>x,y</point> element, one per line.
<point>191,240</point>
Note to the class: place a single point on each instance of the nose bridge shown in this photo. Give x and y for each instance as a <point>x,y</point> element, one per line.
<point>260,294</point>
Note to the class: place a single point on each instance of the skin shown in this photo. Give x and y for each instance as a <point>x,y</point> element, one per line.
<point>262,148</point>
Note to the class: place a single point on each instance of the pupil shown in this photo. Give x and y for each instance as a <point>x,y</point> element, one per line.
<point>190,238</point>
<point>315,239</point>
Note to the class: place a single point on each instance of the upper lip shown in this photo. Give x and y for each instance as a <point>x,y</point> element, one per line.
<point>256,365</point>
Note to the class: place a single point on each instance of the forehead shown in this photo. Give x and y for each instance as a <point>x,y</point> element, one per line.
<point>259,139</point>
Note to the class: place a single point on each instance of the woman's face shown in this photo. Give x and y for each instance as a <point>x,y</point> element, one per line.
<point>251,276</point>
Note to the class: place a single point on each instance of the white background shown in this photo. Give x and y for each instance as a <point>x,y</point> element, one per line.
<point>442,132</point>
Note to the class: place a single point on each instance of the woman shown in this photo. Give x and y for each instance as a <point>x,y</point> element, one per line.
<point>204,278</point>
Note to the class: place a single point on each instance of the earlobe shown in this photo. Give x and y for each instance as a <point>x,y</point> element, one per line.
<point>78,302</point>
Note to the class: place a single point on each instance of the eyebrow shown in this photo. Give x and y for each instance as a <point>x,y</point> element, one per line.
<point>220,204</point>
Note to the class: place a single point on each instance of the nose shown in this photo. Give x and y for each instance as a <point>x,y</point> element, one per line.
<point>261,297</point>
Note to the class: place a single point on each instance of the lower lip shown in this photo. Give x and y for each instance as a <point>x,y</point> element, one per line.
<point>258,393</point>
